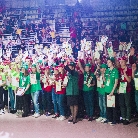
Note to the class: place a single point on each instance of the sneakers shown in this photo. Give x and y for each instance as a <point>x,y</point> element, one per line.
<point>137,125</point>
<point>2,112</point>
<point>19,112</point>
<point>126,122</point>
<point>36,115</point>
<point>99,119</point>
<point>55,116</point>
<point>48,114</point>
<point>103,120</point>
<point>107,122</point>
<point>113,123</point>
<point>33,115</point>
<point>90,119</point>
<point>71,120</point>
<point>61,118</point>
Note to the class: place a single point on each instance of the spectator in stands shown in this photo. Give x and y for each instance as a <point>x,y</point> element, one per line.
<point>57,39</point>
<point>49,38</point>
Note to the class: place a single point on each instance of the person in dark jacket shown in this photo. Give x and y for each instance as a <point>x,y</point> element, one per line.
<point>72,90</point>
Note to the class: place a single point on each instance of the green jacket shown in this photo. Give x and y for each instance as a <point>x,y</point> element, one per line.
<point>72,86</point>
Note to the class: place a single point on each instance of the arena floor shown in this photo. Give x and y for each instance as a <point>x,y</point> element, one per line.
<point>46,127</point>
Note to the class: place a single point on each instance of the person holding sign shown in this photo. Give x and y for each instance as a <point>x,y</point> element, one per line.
<point>23,90</point>
<point>101,92</point>
<point>135,77</point>
<point>2,91</point>
<point>47,91</point>
<point>10,90</point>
<point>88,90</point>
<point>14,83</point>
<point>60,91</point>
<point>111,81</point>
<point>54,94</point>
<point>125,91</point>
<point>35,88</point>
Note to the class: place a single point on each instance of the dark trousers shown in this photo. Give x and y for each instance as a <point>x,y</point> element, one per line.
<point>26,103</point>
<point>19,102</point>
<point>112,112</point>
<point>125,106</point>
<point>89,102</point>
<point>3,101</point>
<point>40,100</point>
<point>47,101</point>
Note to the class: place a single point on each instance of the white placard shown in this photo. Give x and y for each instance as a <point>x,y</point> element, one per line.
<point>100,82</point>
<point>15,81</point>
<point>122,87</point>
<point>99,46</point>
<point>33,79</point>
<point>20,91</point>
<point>97,55</point>
<point>136,83</point>
<point>65,82</point>
<point>58,86</point>
<point>0,80</point>
<point>110,101</point>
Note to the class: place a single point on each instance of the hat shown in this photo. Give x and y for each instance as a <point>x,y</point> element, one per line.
<point>56,68</point>
<point>123,58</point>
<point>25,67</point>
<point>54,64</point>
<point>61,65</point>
<point>47,67</point>
<point>39,61</point>
<point>34,66</point>
<point>103,66</point>
<point>88,65</point>
<point>89,58</point>
<point>72,64</point>
<point>112,59</point>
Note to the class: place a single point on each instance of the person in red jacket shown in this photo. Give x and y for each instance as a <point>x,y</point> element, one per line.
<point>47,88</point>
<point>60,91</point>
<point>125,91</point>
<point>54,94</point>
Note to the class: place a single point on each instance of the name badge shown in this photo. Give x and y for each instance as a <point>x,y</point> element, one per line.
<point>122,88</point>
<point>108,82</point>
<point>136,83</point>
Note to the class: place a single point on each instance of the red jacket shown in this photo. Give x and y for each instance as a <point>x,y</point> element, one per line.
<point>61,77</point>
<point>47,88</point>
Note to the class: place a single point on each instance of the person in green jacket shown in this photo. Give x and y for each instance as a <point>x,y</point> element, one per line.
<point>101,92</point>
<point>111,82</point>
<point>2,91</point>
<point>35,88</point>
<point>72,90</point>
<point>24,83</point>
<point>88,90</point>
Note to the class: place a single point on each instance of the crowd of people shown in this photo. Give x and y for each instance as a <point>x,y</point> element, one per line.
<point>70,86</point>
<point>79,80</point>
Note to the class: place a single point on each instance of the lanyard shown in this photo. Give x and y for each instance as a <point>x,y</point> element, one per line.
<point>110,71</point>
